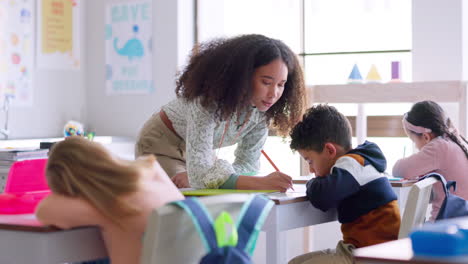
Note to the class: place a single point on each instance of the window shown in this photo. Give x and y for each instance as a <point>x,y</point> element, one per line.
<point>274,18</point>
<point>362,33</point>
<point>339,34</point>
<point>330,36</point>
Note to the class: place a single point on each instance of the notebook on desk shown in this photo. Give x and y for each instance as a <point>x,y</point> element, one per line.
<point>206,192</point>
<point>395,179</point>
<point>400,182</point>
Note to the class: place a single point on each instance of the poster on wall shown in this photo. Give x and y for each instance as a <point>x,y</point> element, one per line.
<point>16,51</point>
<point>128,37</point>
<point>58,45</point>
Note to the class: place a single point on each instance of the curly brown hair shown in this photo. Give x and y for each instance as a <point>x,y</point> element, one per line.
<point>220,73</point>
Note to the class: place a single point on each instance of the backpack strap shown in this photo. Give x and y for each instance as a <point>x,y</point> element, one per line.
<point>446,185</point>
<point>451,184</point>
<point>202,221</point>
<point>251,219</point>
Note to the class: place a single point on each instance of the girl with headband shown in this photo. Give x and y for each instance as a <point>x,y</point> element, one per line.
<point>440,147</point>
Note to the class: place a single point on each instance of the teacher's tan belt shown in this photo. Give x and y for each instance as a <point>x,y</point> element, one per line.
<point>167,122</point>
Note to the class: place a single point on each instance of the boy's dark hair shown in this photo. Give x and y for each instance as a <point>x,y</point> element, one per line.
<point>429,114</point>
<point>220,74</point>
<point>321,124</point>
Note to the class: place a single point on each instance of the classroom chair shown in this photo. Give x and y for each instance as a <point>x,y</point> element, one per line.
<point>25,187</point>
<point>170,235</point>
<point>416,206</point>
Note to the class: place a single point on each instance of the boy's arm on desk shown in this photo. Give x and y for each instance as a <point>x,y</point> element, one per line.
<point>395,182</point>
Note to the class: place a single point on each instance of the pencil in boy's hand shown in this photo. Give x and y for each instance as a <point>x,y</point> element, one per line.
<point>269,160</point>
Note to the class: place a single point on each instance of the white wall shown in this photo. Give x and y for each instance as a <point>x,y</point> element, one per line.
<point>58,96</point>
<point>437,40</point>
<point>440,44</point>
<point>123,115</point>
<point>62,95</point>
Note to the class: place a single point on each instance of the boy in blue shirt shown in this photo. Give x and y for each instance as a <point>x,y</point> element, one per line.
<point>347,179</point>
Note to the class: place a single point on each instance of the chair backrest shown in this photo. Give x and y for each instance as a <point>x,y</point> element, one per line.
<point>27,176</point>
<point>170,235</point>
<point>416,206</point>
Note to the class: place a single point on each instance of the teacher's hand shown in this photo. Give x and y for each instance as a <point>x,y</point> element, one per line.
<point>181,180</point>
<point>276,181</point>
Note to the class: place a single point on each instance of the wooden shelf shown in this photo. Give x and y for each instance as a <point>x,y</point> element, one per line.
<point>393,92</point>
<point>440,91</point>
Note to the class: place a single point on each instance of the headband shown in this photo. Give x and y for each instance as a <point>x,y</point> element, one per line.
<point>413,128</point>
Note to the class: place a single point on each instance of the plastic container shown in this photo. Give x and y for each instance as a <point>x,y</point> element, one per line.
<point>26,186</point>
<point>440,240</point>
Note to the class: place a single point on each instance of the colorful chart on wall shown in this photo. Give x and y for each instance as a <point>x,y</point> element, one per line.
<point>58,45</point>
<point>128,37</point>
<point>16,51</point>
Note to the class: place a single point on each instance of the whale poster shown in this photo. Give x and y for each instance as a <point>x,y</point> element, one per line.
<point>128,37</point>
<point>16,52</point>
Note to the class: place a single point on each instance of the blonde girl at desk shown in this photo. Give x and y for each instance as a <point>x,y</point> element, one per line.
<point>230,92</point>
<point>440,147</point>
<point>91,187</point>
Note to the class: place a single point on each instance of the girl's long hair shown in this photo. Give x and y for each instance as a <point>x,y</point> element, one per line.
<point>80,168</point>
<point>429,114</point>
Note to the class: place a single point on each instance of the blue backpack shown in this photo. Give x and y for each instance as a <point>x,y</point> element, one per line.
<point>239,246</point>
<point>453,205</point>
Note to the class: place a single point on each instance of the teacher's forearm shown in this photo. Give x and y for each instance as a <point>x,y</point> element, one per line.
<point>248,182</point>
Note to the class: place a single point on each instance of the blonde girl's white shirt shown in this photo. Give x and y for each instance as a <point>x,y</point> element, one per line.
<point>202,134</point>
<point>124,245</point>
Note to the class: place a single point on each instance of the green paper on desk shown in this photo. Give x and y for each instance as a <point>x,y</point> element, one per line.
<point>204,192</point>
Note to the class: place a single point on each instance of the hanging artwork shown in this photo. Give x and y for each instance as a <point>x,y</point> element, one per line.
<point>128,37</point>
<point>58,44</point>
<point>16,51</point>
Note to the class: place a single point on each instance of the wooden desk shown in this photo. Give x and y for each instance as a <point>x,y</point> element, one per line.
<point>401,189</point>
<point>301,179</point>
<point>439,91</point>
<point>292,210</point>
<point>24,240</point>
<point>398,251</point>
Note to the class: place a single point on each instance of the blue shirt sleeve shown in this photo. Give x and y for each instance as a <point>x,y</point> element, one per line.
<point>230,183</point>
